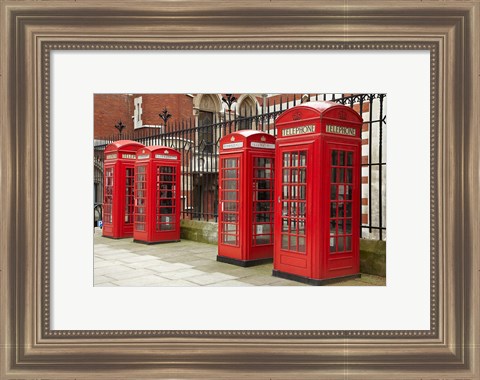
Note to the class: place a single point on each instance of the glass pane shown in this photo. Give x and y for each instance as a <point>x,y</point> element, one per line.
<point>332,244</point>
<point>340,245</point>
<point>340,175</point>
<point>230,206</point>
<point>262,239</point>
<point>263,217</point>
<point>165,210</point>
<point>342,158</point>
<point>167,169</point>
<point>341,226</point>
<point>293,208</point>
<point>230,217</point>
<point>341,192</point>
<point>301,227</point>
<point>285,192</point>
<point>293,226</point>
<point>334,158</point>
<point>230,195</point>
<point>262,229</point>
<point>284,225</point>
<point>230,228</point>
<point>349,178</point>
<point>333,177</point>
<point>350,158</point>
<point>349,193</point>
<point>264,196</point>
<point>302,192</point>
<point>349,209</point>
<point>294,175</point>
<point>333,210</point>
<point>167,227</point>
<point>230,162</point>
<point>301,244</point>
<point>349,226</point>
<point>231,184</point>
<point>262,206</point>
<point>293,243</point>
<point>284,241</point>
<point>294,159</point>
<point>303,158</point>
<point>284,208</point>
<point>348,244</point>
<point>301,209</point>
<point>286,175</point>
<point>286,159</point>
<point>230,173</point>
<point>341,207</point>
<point>303,175</point>
<point>230,239</point>
<point>333,192</point>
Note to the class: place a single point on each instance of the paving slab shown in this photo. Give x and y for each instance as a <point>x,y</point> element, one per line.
<point>151,280</point>
<point>186,263</point>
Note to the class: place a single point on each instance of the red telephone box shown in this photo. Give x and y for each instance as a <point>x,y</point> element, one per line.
<point>317,210</point>
<point>119,163</point>
<point>157,195</point>
<point>246,178</point>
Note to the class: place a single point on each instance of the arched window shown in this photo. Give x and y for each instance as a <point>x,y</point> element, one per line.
<point>246,113</point>
<point>206,119</point>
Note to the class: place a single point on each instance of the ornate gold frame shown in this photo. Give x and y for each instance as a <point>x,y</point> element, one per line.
<point>448,29</point>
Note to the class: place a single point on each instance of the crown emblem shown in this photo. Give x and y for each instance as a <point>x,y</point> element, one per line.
<point>143,150</point>
<point>165,151</point>
<point>232,138</point>
<point>263,138</point>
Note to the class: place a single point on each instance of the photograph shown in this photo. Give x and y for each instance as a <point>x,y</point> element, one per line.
<point>239,189</point>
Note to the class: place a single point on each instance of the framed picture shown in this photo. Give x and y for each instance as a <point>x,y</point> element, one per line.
<point>43,41</point>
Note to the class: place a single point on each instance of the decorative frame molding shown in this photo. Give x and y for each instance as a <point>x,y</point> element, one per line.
<point>31,30</point>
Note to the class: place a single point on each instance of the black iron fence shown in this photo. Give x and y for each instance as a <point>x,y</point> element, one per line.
<point>198,142</point>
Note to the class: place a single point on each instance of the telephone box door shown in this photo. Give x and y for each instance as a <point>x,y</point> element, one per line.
<point>165,200</point>
<point>231,195</point>
<point>262,203</point>
<point>293,204</point>
<point>141,197</point>
<point>343,219</point>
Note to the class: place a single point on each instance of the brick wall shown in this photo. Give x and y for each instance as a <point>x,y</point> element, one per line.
<point>108,110</point>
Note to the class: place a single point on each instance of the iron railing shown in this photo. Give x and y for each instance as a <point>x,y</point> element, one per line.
<point>199,148</point>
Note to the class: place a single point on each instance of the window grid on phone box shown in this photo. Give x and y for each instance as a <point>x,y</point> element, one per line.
<point>129,195</point>
<point>341,190</point>
<point>141,188</point>
<point>294,197</point>
<point>165,198</point>
<point>262,200</point>
<point>108,199</point>
<point>230,183</point>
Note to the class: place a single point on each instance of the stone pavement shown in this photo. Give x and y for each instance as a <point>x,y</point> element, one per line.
<point>186,263</point>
